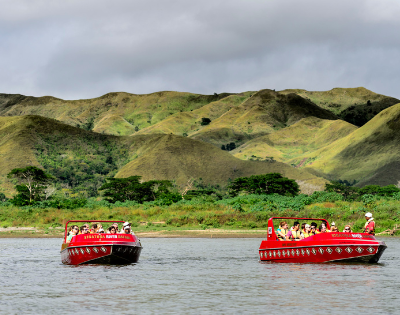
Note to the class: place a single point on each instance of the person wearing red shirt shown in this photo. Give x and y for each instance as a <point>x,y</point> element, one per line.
<point>370,224</point>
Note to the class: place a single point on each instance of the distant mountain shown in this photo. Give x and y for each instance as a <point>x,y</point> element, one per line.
<point>177,136</point>
<point>113,113</point>
<point>354,105</point>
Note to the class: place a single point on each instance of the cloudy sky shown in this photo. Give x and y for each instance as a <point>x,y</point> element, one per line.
<point>85,48</point>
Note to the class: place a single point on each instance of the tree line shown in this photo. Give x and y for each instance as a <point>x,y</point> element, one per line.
<point>34,186</point>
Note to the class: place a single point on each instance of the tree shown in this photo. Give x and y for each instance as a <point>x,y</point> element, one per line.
<point>130,188</point>
<point>31,183</point>
<point>231,146</point>
<point>273,183</point>
<point>347,192</point>
<point>378,190</point>
<point>205,121</point>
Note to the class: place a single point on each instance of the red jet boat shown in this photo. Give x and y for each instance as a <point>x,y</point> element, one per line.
<point>100,248</point>
<point>321,248</point>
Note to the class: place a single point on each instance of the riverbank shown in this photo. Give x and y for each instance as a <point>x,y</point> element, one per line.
<point>246,217</point>
<point>31,232</point>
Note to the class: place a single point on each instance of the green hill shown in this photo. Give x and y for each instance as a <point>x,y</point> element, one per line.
<point>368,154</point>
<point>80,160</point>
<point>305,136</point>
<point>173,135</point>
<point>264,112</point>
<point>187,123</point>
<point>354,105</point>
<point>113,113</point>
<point>181,158</point>
<point>339,99</point>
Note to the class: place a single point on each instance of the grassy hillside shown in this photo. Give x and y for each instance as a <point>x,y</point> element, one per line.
<point>187,123</point>
<point>371,151</point>
<point>162,136</point>
<point>305,136</point>
<point>81,160</point>
<point>113,113</point>
<point>339,99</point>
<point>16,147</point>
<point>263,113</point>
<point>181,158</point>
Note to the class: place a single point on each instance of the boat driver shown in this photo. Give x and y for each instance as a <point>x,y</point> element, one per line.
<point>127,228</point>
<point>370,224</point>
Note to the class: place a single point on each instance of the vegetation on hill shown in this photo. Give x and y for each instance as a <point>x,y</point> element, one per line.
<point>273,183</point>
<point>261,114</point>
<point>361,154</point>
<point>132,189</point>
<point>292,132</point>
<point>165,157</point>
<point>303,137</point>
<point>189,122</point>
<point>339,99</point>
<point>113,113</point>
<point>361,114</point>
<point>354,105</point>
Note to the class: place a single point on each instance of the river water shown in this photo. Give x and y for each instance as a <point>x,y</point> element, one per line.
<point>192,276</point>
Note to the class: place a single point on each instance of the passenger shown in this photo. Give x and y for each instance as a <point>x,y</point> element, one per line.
<point>86,226</point>
<point>295,233</point>
<point>93,229</point>
<point>116,227</point>
<point>84,229</point>
<point>334,229</point>
<point>112,230</point>
<point>314,229</point>
<point>282,231</point>
<point>100,231</point>
<point>347,229</point>
<point>324,224</point>
<point>74,231</point>
<point>322,228</point>
<point>307,231</point>
<point>370,224</point>
<point>303,225</point>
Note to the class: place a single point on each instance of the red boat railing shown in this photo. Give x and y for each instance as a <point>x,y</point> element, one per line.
<point>66,225</point>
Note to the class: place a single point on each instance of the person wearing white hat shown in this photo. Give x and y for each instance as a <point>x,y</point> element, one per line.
<point>370,224</point>
<point>127,228</point>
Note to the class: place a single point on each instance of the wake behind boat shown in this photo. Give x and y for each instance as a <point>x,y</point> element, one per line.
<point>100,248</point>
<point>321,248</point>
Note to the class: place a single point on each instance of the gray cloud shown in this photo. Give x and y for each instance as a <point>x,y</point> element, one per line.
<point>82,49</point>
